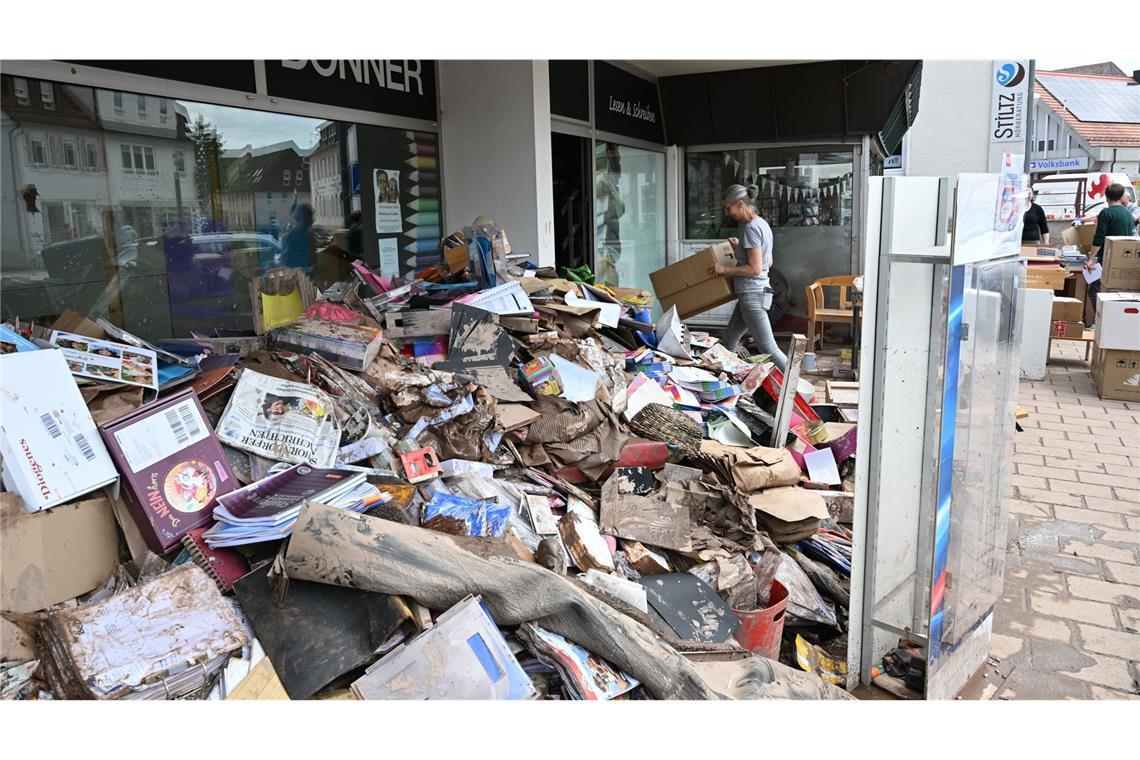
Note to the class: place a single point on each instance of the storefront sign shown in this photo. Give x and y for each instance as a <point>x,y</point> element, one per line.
<point>399,88</point>
<point>626,104</point>
<point>570,89</point>
<point>1009,101</point>
<point>226,74</point>
<point>1076,163</point>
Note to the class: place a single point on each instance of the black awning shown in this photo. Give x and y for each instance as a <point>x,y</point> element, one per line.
<point>807,101</point>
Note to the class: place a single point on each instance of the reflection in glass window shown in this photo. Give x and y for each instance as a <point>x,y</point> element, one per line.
<point>806,194</point>
<point>160,227</point>
<point>20,90</point>
<point>629,210</point>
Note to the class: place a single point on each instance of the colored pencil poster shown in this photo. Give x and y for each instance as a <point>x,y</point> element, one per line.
<point>389,257</point>
<point>387,185</point>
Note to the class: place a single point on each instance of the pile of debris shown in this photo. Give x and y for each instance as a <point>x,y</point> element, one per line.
<point>486,481</point>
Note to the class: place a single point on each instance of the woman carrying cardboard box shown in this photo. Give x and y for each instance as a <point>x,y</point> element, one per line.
<point>750,275</point>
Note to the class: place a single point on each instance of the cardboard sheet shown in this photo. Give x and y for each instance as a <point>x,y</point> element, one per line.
<point>790,504</point>
<point>52,556</point>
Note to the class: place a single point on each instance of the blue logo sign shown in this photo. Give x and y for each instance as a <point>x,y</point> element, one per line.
<point>1010,74</point>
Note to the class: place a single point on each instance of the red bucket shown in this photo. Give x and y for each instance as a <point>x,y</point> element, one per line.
<point>761,630</point>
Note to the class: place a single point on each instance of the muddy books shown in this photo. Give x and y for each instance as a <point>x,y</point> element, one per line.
<point>162,639</point>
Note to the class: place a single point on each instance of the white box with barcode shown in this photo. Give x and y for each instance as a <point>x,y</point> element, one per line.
<point>52,450</point>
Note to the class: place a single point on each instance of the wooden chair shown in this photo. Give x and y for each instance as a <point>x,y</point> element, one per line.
<point>819,314</point>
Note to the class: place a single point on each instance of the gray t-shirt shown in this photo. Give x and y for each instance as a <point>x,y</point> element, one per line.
<point>755,234</point>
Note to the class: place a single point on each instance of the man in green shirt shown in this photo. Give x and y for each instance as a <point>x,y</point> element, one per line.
<point>1116,219</point>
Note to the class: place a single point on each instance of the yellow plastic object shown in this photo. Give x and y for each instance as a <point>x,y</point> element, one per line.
<point>281,310</point>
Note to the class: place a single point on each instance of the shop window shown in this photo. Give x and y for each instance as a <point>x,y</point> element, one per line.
<point>212,194</point>
<point>47,95</point>
<point>20,90</point>
<point>805,194</point>
<point>629,208</point>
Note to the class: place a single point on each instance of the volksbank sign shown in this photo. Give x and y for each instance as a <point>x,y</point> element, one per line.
<point>1076,163</point>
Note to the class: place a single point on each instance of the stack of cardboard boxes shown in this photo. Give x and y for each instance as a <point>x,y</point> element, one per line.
<point>1116,345</point>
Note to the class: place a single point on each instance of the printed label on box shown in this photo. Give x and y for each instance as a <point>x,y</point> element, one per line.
<point>154,438</point>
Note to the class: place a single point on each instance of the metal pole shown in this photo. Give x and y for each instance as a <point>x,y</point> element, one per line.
<point>1030,109</point>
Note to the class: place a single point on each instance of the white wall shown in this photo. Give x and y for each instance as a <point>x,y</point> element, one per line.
<point>495,118</point>
<point>951,132</point>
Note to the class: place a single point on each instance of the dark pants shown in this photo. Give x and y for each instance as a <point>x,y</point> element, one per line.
<point>1094,288</point>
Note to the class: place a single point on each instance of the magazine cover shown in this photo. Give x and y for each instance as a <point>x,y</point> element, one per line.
<point>107,361</point>
<point>585,675</point>
<point>282,420</point>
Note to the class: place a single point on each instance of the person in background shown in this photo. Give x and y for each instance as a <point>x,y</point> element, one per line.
<point>299,244</point>
<point>354,239</point>
<point>750,274</point>
<point>1036,227</point>
<point>1115,219</point>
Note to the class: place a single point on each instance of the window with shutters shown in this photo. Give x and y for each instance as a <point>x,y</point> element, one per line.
<point>47,95</point>
<point>119,111</point>
<point>142,106</point>
<point>163,110</point>
<point>70,154</point>
<point>90,153</point>
<point>20,90</point>
<point>37,151</point>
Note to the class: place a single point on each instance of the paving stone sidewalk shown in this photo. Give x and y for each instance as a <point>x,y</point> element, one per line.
<point>1068,625</point>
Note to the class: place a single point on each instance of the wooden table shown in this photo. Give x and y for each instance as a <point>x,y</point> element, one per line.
<point>1086,338</point>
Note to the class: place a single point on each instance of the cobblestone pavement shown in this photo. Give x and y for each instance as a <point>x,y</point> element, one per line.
<point>1068,625</point>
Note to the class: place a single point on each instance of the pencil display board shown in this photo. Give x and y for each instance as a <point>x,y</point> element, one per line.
<point>399,198</point>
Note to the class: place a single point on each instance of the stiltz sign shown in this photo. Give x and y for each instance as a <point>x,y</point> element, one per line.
<point>1009,101</point>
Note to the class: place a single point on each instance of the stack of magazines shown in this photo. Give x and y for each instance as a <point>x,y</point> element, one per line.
<point>268,509</point>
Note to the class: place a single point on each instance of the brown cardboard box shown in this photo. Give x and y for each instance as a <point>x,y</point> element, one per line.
<point>51,556</point>
<point>1047,278</point>
<point>1117,374</point>
<point>1121,263</point>
<point>688,285</point>
<point>1085,233</point>
<point>1068,309</point>
<point>1062,329</point>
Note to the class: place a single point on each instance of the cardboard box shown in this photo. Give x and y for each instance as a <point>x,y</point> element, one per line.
<point>1047,278</point>
<point>1068,309</point>
<point>1067,330</point>
<point>52,556</point>
<point>1118,321</point>
<point>1121,263</point>
<point>1117,374</point>
<point>688,285</point>
<point>1085,234</point>
<point>51,448</point>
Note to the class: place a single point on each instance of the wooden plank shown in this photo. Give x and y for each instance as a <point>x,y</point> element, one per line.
<point>262,683</point>
<point>842,392</point>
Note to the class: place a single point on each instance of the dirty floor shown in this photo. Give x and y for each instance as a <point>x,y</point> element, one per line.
<point>1068,626</point>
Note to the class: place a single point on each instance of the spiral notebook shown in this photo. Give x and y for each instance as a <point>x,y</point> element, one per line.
<point>224,566</point>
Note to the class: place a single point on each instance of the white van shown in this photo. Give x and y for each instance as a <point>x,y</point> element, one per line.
<point>1073,196</point>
